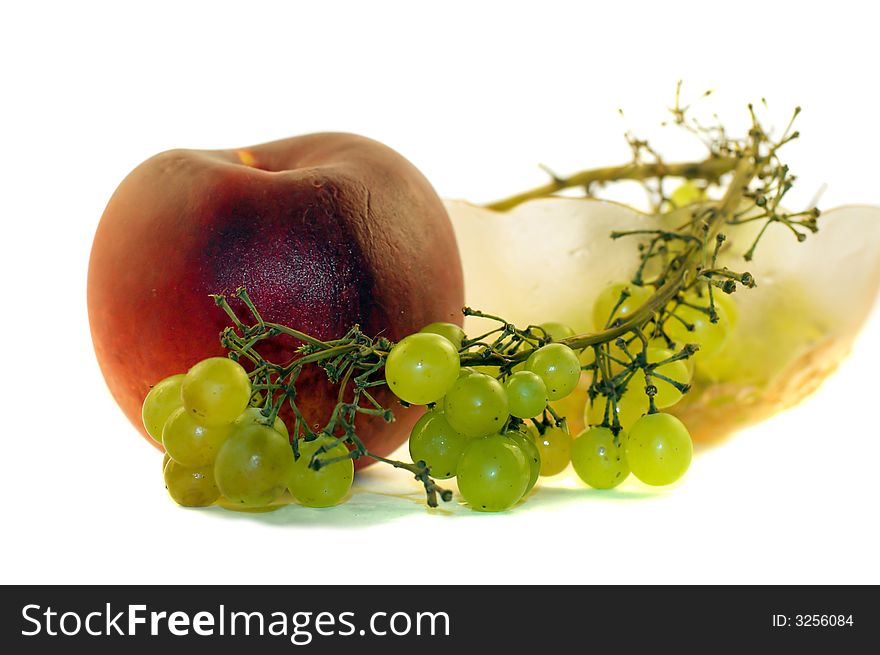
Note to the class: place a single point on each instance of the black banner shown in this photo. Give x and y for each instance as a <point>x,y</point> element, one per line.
<point>54,619</point>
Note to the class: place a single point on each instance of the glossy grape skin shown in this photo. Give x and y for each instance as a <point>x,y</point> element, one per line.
<point>476,406</point>
<point>598,460</point>
<point>451,331</point>
<point>190,487</point>
<point>492,473</point>
<point>434,441</point>
<point>159,404</point>
<point>255,415</point>
<point>557,331</point>
<point>215,391</point>
<point>327,486</point>
<point>253,465</point>
<point>422,367</point>
<point>190,443</point>
<point>558,366</point>
<point>630,407</point>
<point>531,452</point>
<point>526,394</point>
<point>608,298</point>
<point>709,336</point>
<point>658,449</point>
<point>555,449</point>
<point>667,395</point>
<point>165,459</point>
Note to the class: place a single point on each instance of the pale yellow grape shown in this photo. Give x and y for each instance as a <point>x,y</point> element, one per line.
<point>434,441</point>
<point>327,486</point>
<point>555,449</point>
<point>253,465</point>
<point>526,394</point>
<point>630,407</point>
<point>190,443</point>
<point>692,325</point>
<point>191,487</point>
<point>687,193</point>
<point>667,395</point>
<point>609,297</point>
<point>658,449</point>
<point>449,330</point>
<point>556,331</point>
<point>215,391</point>
<point>558,366</point>
<point>255,415</point>
<point>476,406</point>
<point>422,367</point>
<point>599,459</point>
<point>160,402</point>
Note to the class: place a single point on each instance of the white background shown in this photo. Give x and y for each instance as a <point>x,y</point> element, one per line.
<point>475,94</point>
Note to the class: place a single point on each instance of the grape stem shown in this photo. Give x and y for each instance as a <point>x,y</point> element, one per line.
<point>711,169</point>
<point>349,362</point>
<point>693,260</point>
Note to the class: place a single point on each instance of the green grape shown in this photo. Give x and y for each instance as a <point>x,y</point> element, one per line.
<point>476,406</point>
<point>492,371</point>
<point>253,465</point>
<point>160,402</point>
<point>554,447</point>
<point>725,303</point>
<point>434,441</point>
<point>608,299</point>
<point>709,336</point>
<point>558,366</point>
<point>630,407</point>
<point>255,415</point>
<point>663,344</point>
<point>191,487</point>
<point>190,443</point>
<point>686,193</point>
<point>667,395</point>
<point>327,486</point>
<point>424,418</point>
<point>216,390</point>
<point>492,473</point>
<point>526,394</point>
<point>658,449</point>
<point>531,452</point>
<point>557,331</point>
<point>165,459</point>
<point>449,330</point>
<point>598,460</point>
<point>422,367</point>
<point>618,358</point>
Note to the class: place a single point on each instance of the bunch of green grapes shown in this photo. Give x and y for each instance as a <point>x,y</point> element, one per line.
<point>625,431</point>
<point>474,428</point>
<point>219,447</point>
<point>496,432</point>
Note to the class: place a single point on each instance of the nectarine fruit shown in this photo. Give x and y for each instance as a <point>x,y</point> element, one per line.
<point>324,230</point>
